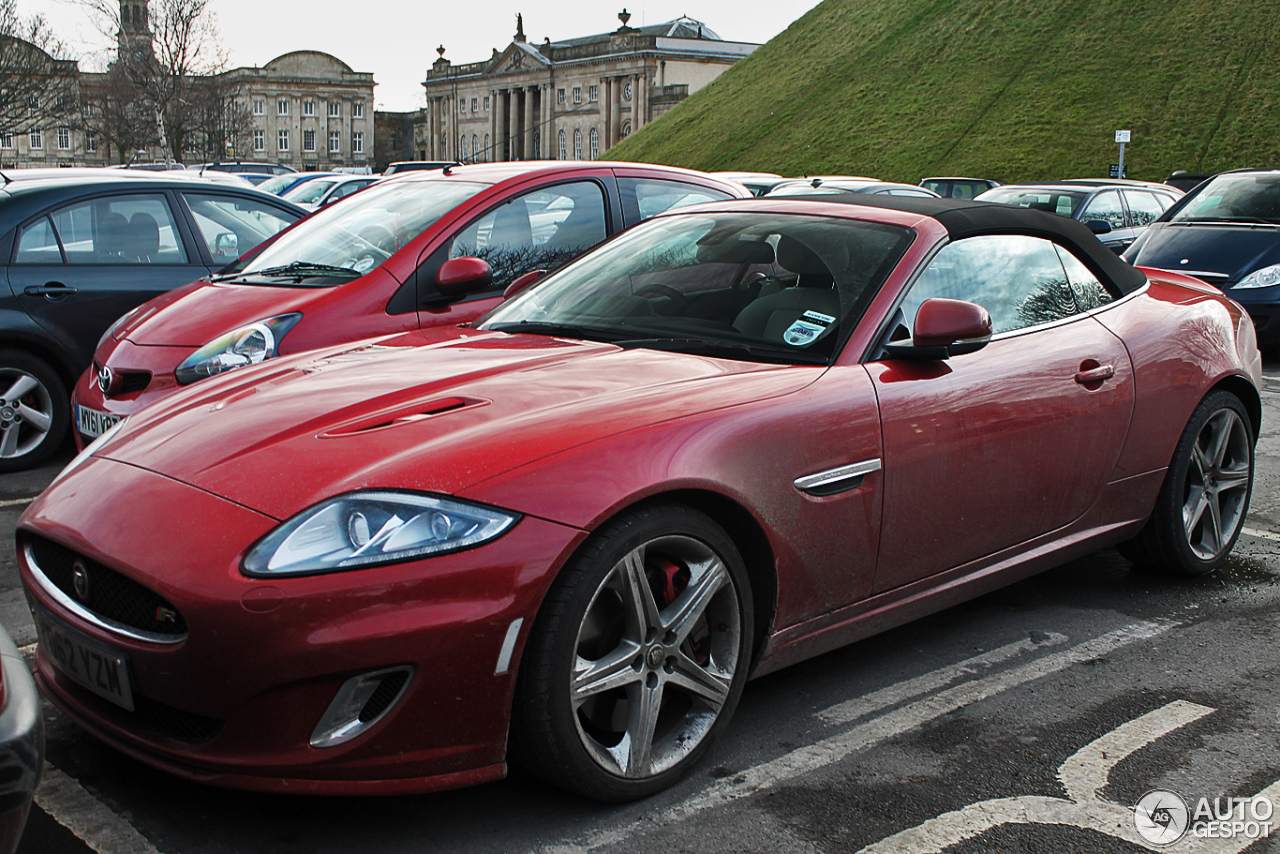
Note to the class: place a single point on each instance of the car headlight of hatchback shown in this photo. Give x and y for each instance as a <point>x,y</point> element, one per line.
<point>1263,278</point>
<point>366,528</point>
<point>248,345</point>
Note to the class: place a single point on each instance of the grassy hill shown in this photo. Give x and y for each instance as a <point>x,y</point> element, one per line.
<point>1006,89</point>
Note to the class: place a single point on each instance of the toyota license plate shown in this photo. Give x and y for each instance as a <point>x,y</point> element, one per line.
<point>89,663</point>
<point>91,423</point>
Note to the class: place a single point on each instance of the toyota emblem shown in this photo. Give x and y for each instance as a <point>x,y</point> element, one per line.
<point>80,580</point>
<point>106,379</point>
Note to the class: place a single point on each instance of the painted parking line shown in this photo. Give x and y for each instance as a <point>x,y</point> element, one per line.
<point>67,802</point>
<point>870,733</point>
<point>1255,532</point>
<point>17,502</point>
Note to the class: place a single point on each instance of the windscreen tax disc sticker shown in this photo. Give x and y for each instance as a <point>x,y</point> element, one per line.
<point>807,329</point>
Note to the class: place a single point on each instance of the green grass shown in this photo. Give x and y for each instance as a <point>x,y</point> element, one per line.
<point>1006,89</point>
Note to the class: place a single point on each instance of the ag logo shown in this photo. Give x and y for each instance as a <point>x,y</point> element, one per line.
<point>1161,817</point>
<point>80,580</point>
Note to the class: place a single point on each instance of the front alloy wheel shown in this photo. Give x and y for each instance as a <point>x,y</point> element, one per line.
<point>33,411</point>
<point>639,657</point>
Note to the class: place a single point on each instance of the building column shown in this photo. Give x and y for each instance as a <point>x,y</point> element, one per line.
<point>639,98</point>
<point>615,124</point>
<point>606,112</point>
<point>513,125</point>
<point>492,153</point>
<point>547,110</point>
<point>530,119</point>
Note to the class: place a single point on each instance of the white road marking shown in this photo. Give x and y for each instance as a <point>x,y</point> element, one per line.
<point>821,754</point>
<point>1255,532</point>
<point>16,502</point>
<point>1083,775</point>
<point>67,802</point>
<point>877,701</point>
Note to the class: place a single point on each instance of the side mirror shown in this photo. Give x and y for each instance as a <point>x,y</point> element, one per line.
<point>522,282</point>
<point>1099,226</point>
<point>944,328</point>
<point>457,276</point>
<point>226,243</point>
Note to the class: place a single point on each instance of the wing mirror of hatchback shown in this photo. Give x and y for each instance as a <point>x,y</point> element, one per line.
<point>522,282</point>
<point>458,276</point>
<point>1099,226</point>
<point>944,328</point>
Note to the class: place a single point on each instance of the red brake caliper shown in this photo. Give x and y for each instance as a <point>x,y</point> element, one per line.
<point>675,579</point>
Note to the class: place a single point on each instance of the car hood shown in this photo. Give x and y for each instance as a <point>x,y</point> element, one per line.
<point>199,314</point>
<point>1230,250</point>
<point>437,417</point>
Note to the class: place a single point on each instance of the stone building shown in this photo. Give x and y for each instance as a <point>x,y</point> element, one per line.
<point>566,100</point>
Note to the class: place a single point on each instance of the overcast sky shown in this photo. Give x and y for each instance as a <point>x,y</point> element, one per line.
<point>396,41</point>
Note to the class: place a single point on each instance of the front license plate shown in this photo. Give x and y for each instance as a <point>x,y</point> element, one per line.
<point>93,665</point>
<point>91,423</point>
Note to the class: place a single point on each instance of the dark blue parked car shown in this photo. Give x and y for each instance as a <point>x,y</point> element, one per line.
<point>81,248</point>
<point>1227,232</point>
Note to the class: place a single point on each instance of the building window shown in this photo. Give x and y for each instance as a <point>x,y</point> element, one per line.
<point>90,110</point>
<point>64,139</point>
<point>475,148</point>
<point>593,94</point>
<point>308,140</point>
<point>559,96</point>
<point>259,107</point>
<point>537,146</point>
<point>562,154</point>
<point>335,142</point>
<point>282,107</point>
<point>486,103</point>
<point>577,144</point>
<point>486,146</point>
<point>595,144</point>
<point>577,94</point>
<point>308,107</point>
<point>33,103</point>
<point>6,139</point>
<point>36,139</point>
<point>90,142</point>
<point>259,140</point>
<point>282,140</point>
<point>462,105</point>
<point>335,109</point>
<point>626,129</point>
<point>357,142</point>
<point>462,148</point>
<point>357,110</point>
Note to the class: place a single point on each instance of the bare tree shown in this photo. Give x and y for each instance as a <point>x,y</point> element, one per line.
<point>36,85</point>
<point>168,55</point>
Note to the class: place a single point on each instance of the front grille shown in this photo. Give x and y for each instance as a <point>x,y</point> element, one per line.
<point>174,723</point>
<point>108,594</point>
<point>132,381</point>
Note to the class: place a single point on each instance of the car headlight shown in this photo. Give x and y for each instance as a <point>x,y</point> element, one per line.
<point>365,528</point>
<point>1264,278</point>
<point>248,345</point>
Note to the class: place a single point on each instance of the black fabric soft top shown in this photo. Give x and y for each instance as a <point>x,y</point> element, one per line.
<point>963,218</point>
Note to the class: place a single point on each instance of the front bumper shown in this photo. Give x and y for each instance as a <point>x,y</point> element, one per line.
<point>235,700</point>
<point>143,376</point>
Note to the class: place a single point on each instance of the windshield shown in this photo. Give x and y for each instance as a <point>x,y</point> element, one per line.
<point>1235,198</point>
<point>310,192</point>
<point>761,287</point>
<point>363,231</point>
<point>1060,202</point>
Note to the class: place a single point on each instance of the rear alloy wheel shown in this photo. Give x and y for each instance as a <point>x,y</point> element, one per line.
<point>34,412</point>
<point>638,658</point>
<point>1202,504</point>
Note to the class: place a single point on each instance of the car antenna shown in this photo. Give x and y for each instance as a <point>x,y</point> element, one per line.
<point>445,170</point>
<point>7,179</point>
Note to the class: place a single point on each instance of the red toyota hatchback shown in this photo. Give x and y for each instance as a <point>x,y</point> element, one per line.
<point>731,438</point>
<point>371,266</point>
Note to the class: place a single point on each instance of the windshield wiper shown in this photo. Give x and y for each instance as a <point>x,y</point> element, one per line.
<point>1249,219</point>
<point>565,330</point>
<point>302,270</point>
<point>732,349</point>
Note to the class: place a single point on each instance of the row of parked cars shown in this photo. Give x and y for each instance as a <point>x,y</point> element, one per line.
<point>474,485</point>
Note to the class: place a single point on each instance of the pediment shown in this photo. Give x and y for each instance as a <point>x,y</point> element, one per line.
<point>517,59</point>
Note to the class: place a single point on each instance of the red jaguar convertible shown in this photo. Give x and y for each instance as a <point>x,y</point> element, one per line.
<point>733,437</point>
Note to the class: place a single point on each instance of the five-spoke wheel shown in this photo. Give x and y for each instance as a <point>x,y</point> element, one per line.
<point>638,658</point>
<point>33,411</point>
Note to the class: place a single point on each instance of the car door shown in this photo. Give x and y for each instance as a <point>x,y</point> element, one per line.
<point>77,268</point>
<point>991,450</point>
<point>1107,207</point>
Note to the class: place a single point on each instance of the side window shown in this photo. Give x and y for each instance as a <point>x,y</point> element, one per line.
<point>37,244</point>
<point>231,226</point>
<point>1106,207</point>
<point>536,231</point>
<point>1143,207</point>
<point>131,229</point>
<point>1089,292</point>
<point>646,197</point>
<point>1019,280</point>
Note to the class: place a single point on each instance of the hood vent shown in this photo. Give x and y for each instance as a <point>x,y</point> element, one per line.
<point>404,414</point>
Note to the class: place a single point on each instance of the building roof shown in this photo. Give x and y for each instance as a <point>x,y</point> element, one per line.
<point>680,28</point>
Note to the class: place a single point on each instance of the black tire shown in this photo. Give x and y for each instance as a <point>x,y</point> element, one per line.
<point>34,411</point>
<point>1202,504</point>
<point>595,621</point>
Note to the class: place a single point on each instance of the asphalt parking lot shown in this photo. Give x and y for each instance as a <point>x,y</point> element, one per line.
<point>1032,719</point>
